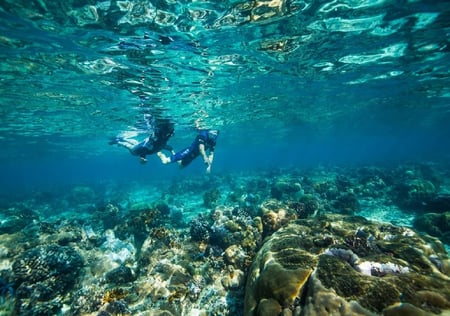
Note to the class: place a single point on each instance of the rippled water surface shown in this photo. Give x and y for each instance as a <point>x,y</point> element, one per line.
<point>282,71</point>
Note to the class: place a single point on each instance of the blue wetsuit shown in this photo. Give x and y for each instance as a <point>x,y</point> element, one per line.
<point>190,153</point>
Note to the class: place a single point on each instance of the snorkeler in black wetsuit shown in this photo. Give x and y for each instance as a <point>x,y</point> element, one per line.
<point>154,143</point>
<point>203,142</point>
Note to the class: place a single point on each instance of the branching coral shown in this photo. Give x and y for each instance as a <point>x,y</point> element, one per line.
<point>199,229</point>
<point>44,274</point>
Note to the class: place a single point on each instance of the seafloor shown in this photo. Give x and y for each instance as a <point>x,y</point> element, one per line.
<point>323,241</point>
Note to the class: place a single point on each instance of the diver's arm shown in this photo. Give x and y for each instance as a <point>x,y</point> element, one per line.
<point>201,148</point>
<point>206,159</point>
<point>211,157</point>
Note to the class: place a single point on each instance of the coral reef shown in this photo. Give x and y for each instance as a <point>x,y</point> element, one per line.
<point>276,215</point>
<point>287,241</point>
<point>16,219</point>
<point>414,193</point>
<point>211,198</point>
<point>395,264</point>
<point>88,299</point>
<point>346,203</point>
<point>284,187</point>
<point>435,224</point>
<point>144,217</point>
<point>440,203</point>
<point>199,229</point>
<point>278,273</point>
<point>120,275</point>
<point>43,276</point>
<point>307,205</point>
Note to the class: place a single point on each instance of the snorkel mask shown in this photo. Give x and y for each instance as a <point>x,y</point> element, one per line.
<point>213,133</point>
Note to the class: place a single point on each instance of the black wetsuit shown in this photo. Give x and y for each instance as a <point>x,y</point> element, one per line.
<point>155,143</point>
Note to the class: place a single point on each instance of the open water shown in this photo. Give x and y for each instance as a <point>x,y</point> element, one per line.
<point>286,82</point>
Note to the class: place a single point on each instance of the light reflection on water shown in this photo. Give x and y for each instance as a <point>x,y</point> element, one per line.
<point>78,70</point>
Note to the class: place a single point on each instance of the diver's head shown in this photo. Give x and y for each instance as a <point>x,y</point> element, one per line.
<point>213,133</point>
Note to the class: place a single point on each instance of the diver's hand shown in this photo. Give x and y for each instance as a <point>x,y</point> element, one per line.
<point>142,160</point>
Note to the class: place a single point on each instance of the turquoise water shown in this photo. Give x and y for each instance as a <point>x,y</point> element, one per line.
<point>287,82</point>
<point>343,76</point>
<point>294,86</point>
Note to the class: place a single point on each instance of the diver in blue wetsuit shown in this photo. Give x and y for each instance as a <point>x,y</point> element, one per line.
<point>153,144</point>
<point>203,143</point>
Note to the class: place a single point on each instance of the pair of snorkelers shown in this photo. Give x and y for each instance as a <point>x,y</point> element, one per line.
<point>160,132</point>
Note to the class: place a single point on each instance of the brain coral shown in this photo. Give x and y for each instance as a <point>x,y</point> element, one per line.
<point>318,266</point>
<point>278,274</point>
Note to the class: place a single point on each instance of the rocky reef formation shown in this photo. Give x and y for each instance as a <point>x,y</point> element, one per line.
<point>435,224</point>
<point>289,242</point>
<point>341,265</point>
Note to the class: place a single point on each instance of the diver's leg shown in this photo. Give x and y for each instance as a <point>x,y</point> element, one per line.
<point>164,158</point>
<point>128,143</point>
<point>175,156</point>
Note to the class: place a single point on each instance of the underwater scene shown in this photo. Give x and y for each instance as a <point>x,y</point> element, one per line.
<point>234,157</point>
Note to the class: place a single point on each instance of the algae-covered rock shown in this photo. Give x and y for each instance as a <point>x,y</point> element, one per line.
<point>275,215</point>
<point>440,203</point>
<point>346,204</point>
<point>284,187</point>
<point>414,193</point>
<point>120,275</point>
<point>233,278</point>
<point>347,265</point>
<point>435,224</point>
